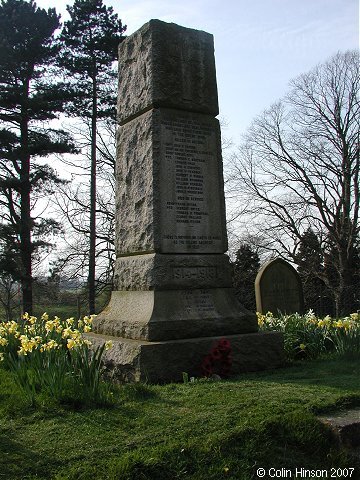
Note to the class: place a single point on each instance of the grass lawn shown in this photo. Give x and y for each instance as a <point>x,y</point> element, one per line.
<point>204,430</point>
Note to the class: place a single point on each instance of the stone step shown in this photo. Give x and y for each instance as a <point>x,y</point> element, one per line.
<point>346,428</point>
<point>158,362</point>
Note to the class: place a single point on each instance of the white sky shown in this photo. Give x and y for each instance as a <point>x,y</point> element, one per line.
<point>259,44</point>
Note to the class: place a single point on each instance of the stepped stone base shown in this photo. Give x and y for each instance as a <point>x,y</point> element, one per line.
<point>174,314</point>
<point>159,362</point>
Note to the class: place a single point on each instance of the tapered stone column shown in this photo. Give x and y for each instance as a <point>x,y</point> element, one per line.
<point>173,297</point>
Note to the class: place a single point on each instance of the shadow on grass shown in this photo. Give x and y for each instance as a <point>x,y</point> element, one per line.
<point>19,461</point>
<point>331,372</point>
<point>139,392</point>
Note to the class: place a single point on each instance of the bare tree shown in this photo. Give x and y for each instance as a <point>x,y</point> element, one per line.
<point>9,296</point>
<point>74,207</point>
<point>90,45</point>
<point>299,168</point>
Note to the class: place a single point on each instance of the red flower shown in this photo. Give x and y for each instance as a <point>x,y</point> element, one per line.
<point>219,360</point>
<point>207,366</point>
<point>224,345</point>
<point>216,354</point>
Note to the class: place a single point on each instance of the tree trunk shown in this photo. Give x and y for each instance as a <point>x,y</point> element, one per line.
<point>91,277</point>
<point>25,207</point>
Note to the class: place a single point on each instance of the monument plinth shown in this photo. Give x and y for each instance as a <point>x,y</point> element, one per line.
<point>173,289</point>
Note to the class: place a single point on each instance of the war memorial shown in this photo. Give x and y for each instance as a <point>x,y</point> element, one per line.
<point>173,299</point>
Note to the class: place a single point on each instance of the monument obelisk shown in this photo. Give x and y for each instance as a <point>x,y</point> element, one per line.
<point>173,296</point>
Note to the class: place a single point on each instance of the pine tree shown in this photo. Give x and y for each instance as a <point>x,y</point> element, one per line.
<point>29,99</point>
<point>89,48</point>
<point>245,269</point>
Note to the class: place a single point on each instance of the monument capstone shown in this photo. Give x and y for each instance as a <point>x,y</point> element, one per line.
<point>173,296</point>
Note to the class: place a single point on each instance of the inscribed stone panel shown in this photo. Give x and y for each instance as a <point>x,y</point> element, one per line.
<point>170,195</point>
<point>191,184</point>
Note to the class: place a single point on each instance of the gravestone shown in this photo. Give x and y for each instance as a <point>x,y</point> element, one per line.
<point>278,288</point>
<point>173,296</point>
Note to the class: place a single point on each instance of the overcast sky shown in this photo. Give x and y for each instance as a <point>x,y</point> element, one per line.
<point>259,44</point>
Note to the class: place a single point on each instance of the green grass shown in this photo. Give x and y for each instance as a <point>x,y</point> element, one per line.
<point>205,430</point>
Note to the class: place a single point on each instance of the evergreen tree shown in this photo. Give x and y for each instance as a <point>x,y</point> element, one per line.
<point>29,99</point>
<point>347,295</point>
<point>310,261</point>
<point>245,269</point>
<point>89,48</point>
<point>320,271</point>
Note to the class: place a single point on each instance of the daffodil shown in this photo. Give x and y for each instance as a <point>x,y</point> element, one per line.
<point>30,329</point>
<point>49,325</point>
<point>71,343</point>
<point>66,332</point>
<point>27,344</point>
<point>261,318</point>
<point>75,334</point>
<point>50,345</point>
<point>347,324</point>
<point>12,327</point>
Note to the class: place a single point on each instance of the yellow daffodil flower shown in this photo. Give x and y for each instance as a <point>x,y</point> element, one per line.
<point>71,343</point>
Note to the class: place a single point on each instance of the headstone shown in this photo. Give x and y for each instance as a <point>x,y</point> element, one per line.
<point>173,295</point>
<point>278,288</point>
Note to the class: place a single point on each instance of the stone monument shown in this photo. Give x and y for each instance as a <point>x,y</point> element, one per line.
<point>278,288</point>
<point>173,297</point>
